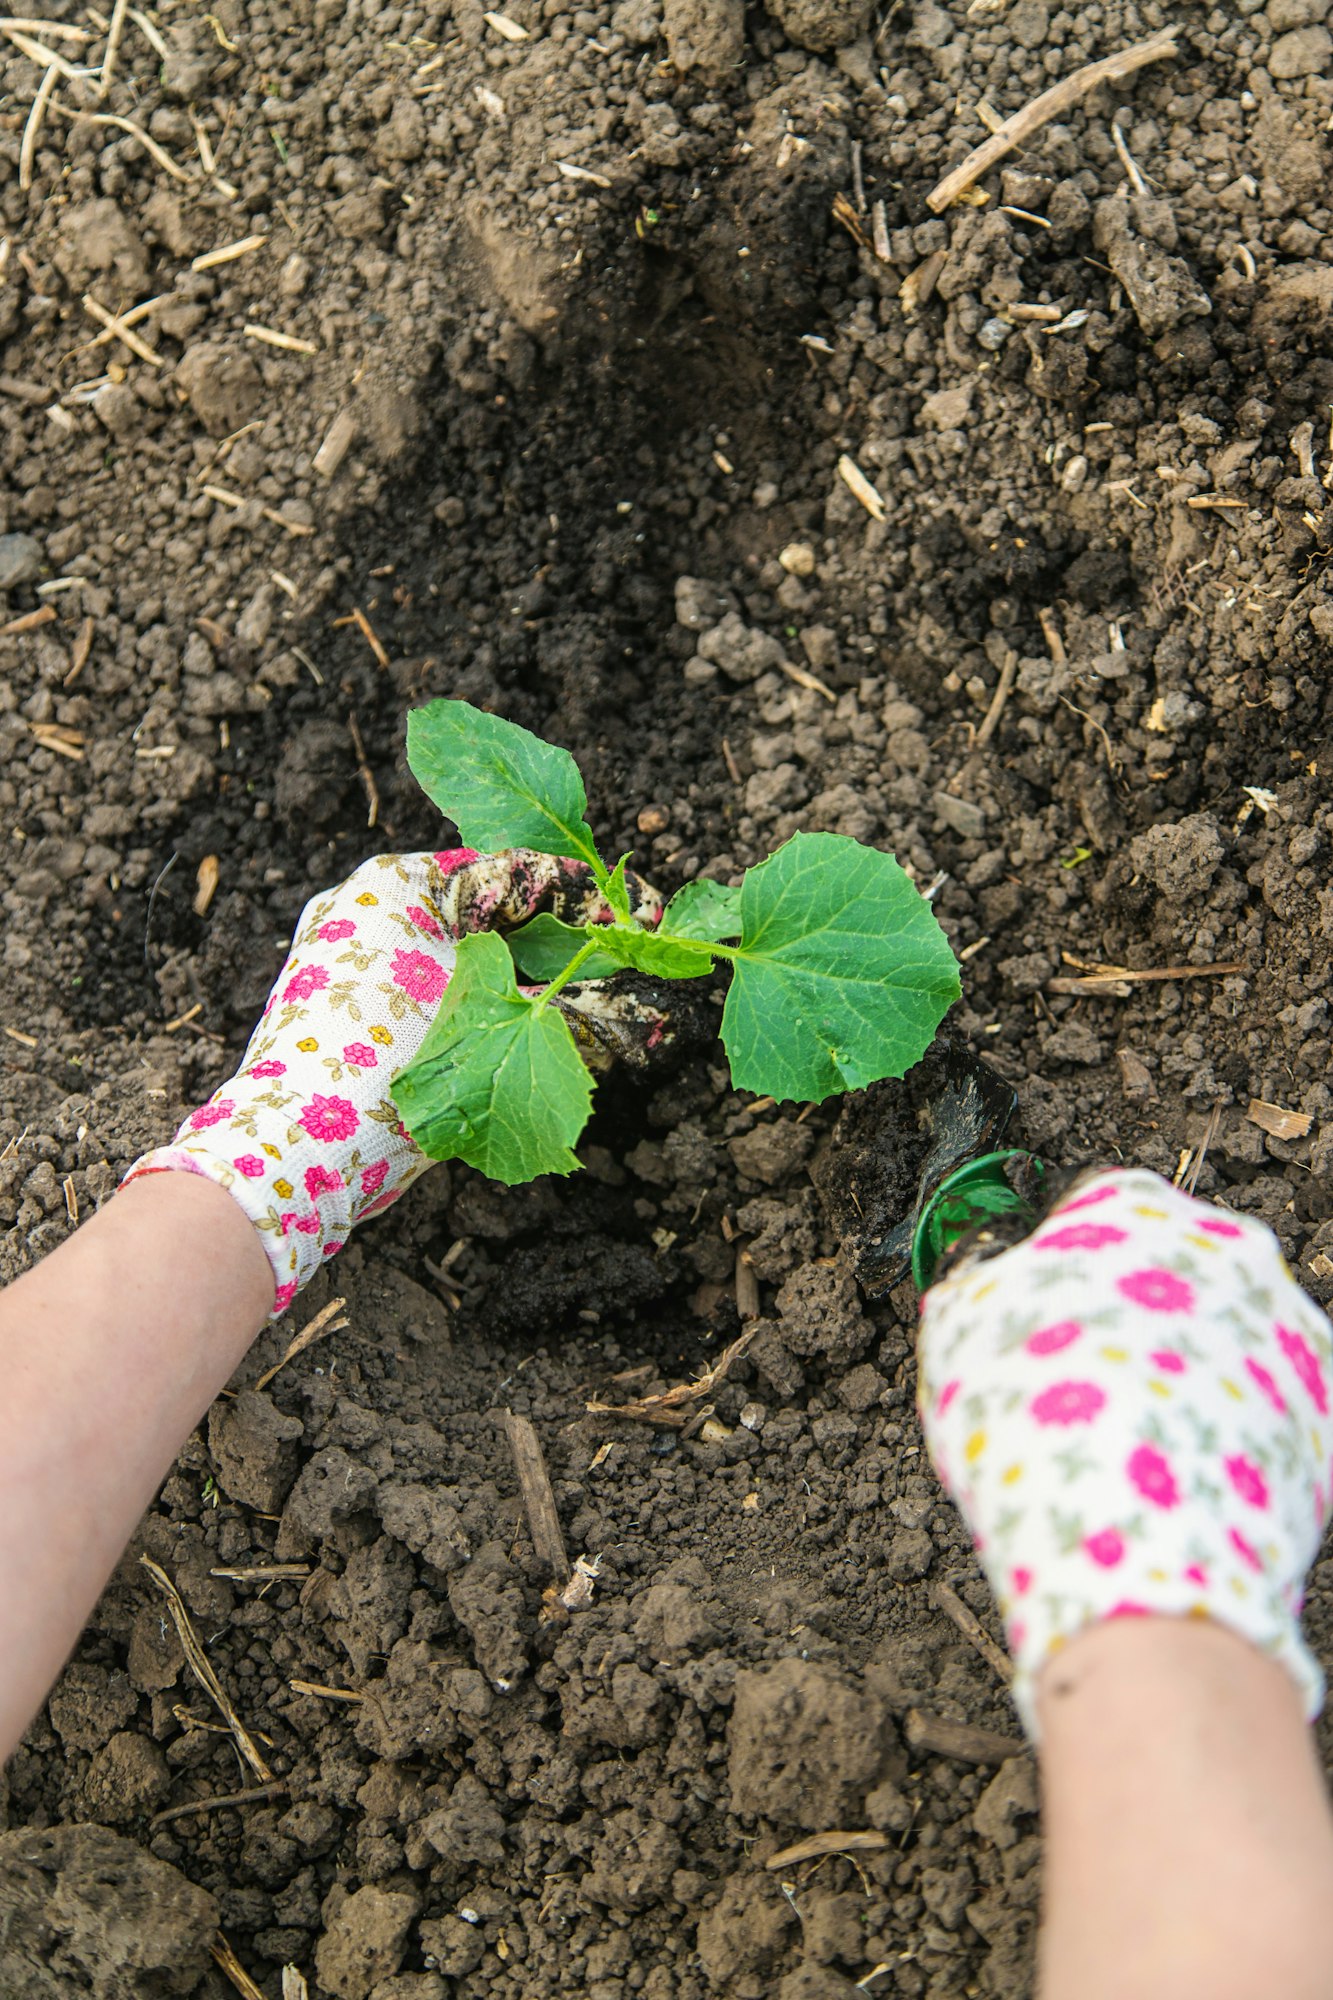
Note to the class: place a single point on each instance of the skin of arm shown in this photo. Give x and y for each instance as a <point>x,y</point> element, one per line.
<point>1189,1842</point>
<point>111,1350</point>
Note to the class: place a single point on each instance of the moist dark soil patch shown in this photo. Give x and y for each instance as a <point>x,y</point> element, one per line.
<point>593,483</point>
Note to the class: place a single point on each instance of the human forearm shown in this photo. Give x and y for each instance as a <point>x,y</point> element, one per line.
<point>1189,1839</point>
<point>110,1351</point>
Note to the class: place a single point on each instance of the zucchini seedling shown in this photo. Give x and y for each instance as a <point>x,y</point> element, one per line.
<point>840,973</point>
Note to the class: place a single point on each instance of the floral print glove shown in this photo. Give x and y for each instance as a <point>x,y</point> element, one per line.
<point>306,1136</point>
<point>1131,1409</point>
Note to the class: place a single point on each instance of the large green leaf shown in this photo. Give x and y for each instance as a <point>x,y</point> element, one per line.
<point>498,1082</point>
<point>704,909</point>
<point>544,947</point>
<point>842,975</point>
<point>499,784</point>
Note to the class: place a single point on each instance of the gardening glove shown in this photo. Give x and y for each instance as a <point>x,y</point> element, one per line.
<point>1131,1409</point>
<point>306,1136</point>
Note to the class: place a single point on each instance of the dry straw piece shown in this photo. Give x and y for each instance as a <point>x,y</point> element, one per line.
<point>325,1321</point>
<point>856,483</point>
<point>116,327</point>
<point>203,1671</point>
<point>862,1841</point>
<point>28,145</point>
<point>290,341</point>
<point>1059,98</point>
<point>227,253</point>
<point>228,1963</point>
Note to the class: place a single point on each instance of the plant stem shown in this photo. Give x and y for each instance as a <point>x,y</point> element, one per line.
<point>581,957</point>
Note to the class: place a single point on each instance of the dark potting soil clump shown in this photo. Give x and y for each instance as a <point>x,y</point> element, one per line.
<point>581,346</point>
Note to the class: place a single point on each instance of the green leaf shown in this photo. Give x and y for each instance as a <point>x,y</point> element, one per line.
<point>617,895</point>
<point>649,951</point>
<point>843,973</point>
<point>499,784</point>
<point>544,947</point>
<point>498,1082</point>
<point>704,909</point>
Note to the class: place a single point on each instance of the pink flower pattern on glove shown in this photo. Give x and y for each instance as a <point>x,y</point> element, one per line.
<point>1188,1475</point>
<point>329,1119</point>
<point>1068,1403</point>
<point>303,985</point>
<point>1149,1473</point>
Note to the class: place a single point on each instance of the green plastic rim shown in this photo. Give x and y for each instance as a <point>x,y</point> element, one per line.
<point>963,1198</point>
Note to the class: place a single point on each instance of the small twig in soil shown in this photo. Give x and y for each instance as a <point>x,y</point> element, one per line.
<point>29,621</point>
<point>326,1693</point>
<point>863,1841</point>
<point>130,317</point>
<point>325,1321</point>
<point>203,1671</point>
<point>38,52</point>
<point>231,1966</point>
<point>1127,161</point>
<point>55,736</point>
<point>1061,97</point>
<point>666,1409</point>
<point>860,487</point>
<point>118,330</point>
<point>970,1745</point>
<point>370,635</point>
<point>1108,977</point>
<point>290,341</point>
<point>1191,1162</point>
<point>534,1483</point>
<point>804,679</point>
<point>951,1604</point>
<point>337,443</point>
<point>1092,723</point>
<point>572,172</point>
<point>367,776</point>
<point>249,1796</point>
<point>266,1573</point>
<point>150,146</point>
<point>227,253</point>
<point>149,33</point>
<point>113,35</point>
<point>79,651</point>
<point>991,719</point>
<point>844,213</point>
<point>61,30</point>
<point>28,145</point>
<point>1050,632</point>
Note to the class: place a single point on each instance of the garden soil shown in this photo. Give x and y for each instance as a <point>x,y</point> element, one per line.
<point>562,359</point>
